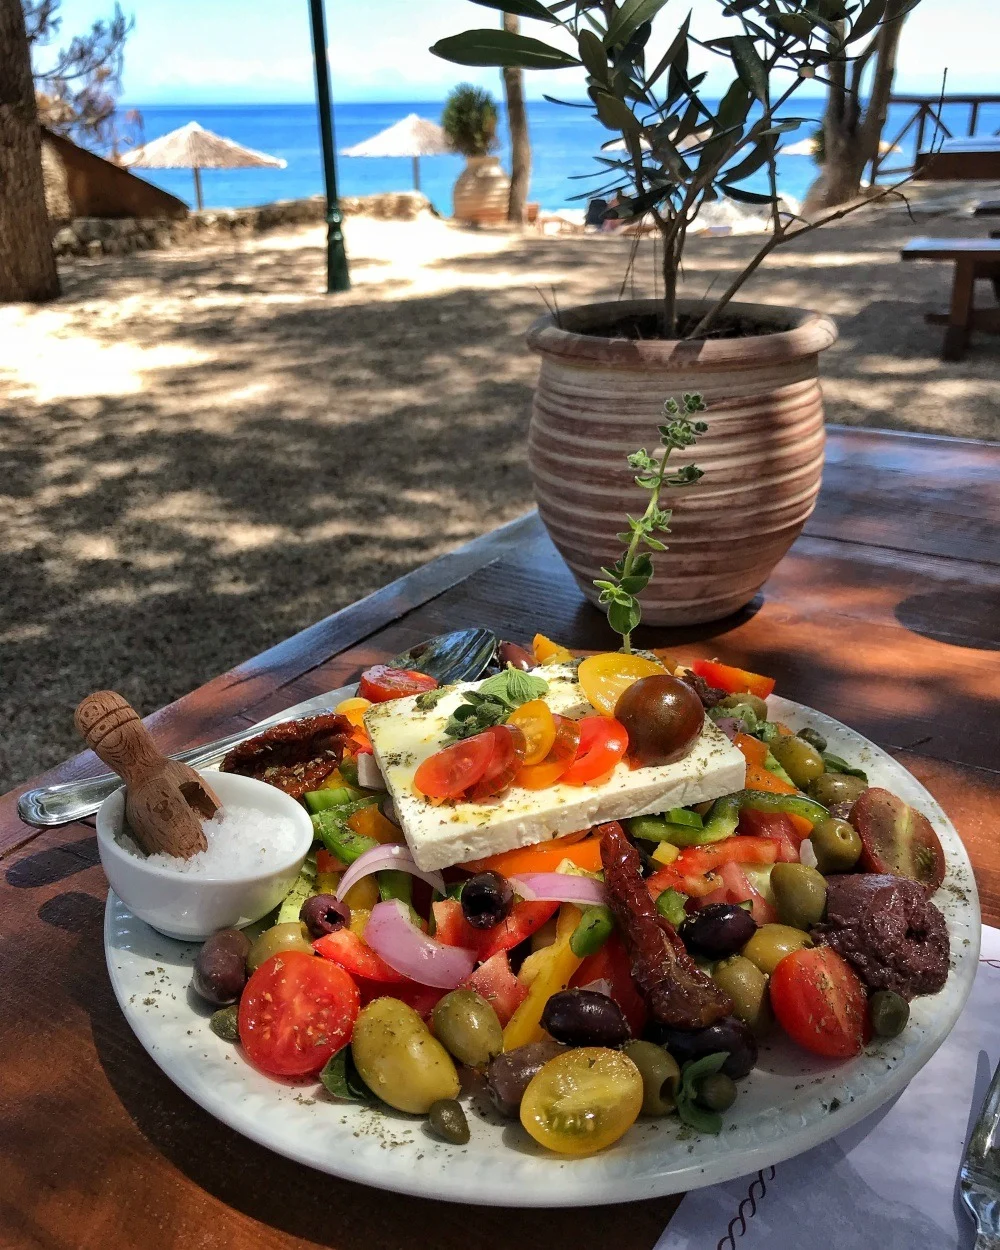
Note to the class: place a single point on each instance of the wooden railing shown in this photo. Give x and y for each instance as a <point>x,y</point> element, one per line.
<point>927,119</point>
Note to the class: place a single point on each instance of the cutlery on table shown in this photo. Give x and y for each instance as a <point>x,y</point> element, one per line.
<point>979,1178</point>
<point>462,655</point>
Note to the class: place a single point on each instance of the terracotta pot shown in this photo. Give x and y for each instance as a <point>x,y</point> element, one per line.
<point>481,191</point>
<point>599,398</point>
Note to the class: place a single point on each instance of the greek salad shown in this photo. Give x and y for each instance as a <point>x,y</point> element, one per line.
<point>589,886</point>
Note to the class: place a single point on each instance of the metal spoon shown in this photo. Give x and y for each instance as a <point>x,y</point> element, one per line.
<point>462,655</point>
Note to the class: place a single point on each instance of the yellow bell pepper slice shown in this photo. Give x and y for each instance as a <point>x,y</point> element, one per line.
<point>525,1025</point>
<point>665,853</point>
<point>370,823</point>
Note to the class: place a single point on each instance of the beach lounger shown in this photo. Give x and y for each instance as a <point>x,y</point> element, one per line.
<point>972,258</point>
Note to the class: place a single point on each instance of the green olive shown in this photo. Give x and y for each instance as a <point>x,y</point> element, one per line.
<point>802,762</point>
<point>836,788</point>
<point>799,894</point>
<point>291,936</point>
<point>772,942</point>
<point>717,1091</point>
<point>813,737</point>
<point>660,1076</point>
<point>468,1028</point>
<point>447,1119</point>
<point>837,845</point>
<point>890,1012</point>
<point>752,701</point>
<point>399,1060</point>
<point>746,985</point>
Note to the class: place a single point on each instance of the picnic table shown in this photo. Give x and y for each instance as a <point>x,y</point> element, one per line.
<point>885,614</point>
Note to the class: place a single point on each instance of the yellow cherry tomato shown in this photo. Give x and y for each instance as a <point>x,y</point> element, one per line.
<point>548,652</point>
<point>606,677</point>
<point>582,1101</point>
<point>536,722</point>
<point>354,709</point>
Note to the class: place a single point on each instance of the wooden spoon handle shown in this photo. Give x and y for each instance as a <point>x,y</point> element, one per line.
<point>111,727</point>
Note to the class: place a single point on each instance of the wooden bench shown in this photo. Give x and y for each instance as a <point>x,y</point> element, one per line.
<point>973,258</point>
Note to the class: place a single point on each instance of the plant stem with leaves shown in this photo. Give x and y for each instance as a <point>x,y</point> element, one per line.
<point>629,575</point>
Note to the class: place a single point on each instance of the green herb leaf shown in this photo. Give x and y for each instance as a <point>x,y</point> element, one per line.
<point>431,698</point>
<point>340,1078</point>
<point>692,1074</point>
<point>514,687</point>
<point>834,764</point>
<point>500,47</point>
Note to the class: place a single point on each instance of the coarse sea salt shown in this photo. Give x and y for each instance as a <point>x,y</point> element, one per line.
<point>241,841</point>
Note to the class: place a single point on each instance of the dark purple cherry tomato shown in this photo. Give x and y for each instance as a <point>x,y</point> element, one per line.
<point>663,717</point>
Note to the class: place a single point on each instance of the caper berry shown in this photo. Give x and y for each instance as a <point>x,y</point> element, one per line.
<point>447,1118</point>
<point>225,1023</point>
<point>717,1091</point>
<point>890,1012</point>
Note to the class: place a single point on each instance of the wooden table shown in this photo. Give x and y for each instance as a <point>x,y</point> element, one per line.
<point>973,259</point>
<point>885,614</point>
<point>960,160</point>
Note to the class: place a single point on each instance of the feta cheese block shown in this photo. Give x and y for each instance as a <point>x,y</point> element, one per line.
<point>439,835</point>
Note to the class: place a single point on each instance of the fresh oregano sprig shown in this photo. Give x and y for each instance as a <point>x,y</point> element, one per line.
<point>630,574</point>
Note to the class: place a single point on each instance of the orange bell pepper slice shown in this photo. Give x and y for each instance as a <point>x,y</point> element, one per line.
<point>543,857</point>
<point>733,680</point>
<point>370,822</point>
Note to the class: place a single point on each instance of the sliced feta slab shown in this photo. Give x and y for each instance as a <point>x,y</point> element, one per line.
<point>404,735</point>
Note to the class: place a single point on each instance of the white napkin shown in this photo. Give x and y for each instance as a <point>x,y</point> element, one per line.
<point>888,1183</point>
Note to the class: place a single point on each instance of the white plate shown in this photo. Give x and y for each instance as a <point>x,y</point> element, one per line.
<point>790,1103</point>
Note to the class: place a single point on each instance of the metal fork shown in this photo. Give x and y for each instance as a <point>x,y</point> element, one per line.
<point>979,1178</point>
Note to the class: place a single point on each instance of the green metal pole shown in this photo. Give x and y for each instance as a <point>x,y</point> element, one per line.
<point>337,276</point>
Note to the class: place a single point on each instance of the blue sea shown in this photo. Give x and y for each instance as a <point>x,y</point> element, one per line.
<point>564,143</point>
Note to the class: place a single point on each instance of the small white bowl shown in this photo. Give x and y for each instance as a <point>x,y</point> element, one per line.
<point>189,906</point>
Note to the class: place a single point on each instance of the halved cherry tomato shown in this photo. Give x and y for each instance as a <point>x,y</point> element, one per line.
<point>897,839</point>
<point>381,683</point>
<point>495,982</point>
<point>736,887</point>
<point>536,722</point>
<point>693,870</point>
<point>557,762</point>
<point>452,929</point>
<point>605,678</point>
<point>777,826</point>
<point>603,742</point>
<point>820,1002</point>
<point>548,652</point>
<point>296,1012</point>
<point>508,751</point>
<point>733,680</point>
<point>422,998</point>
<point>355,955</point>
<point>542,857</point>
<point>448,773</point>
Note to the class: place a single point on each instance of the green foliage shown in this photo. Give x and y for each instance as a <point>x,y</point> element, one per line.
<point>630,574</point>
<point>680,150</point>
<point>470,119</point>
<point>493,702</point>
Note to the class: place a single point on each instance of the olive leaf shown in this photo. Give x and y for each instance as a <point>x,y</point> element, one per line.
<point>340,1077</point>
<point>501,48</point>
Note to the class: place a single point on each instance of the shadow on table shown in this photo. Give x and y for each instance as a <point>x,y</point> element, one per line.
<point>962,611</point>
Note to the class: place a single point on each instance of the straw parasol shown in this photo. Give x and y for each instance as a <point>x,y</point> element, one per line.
<point>413,137</point>
<point>193,147</point>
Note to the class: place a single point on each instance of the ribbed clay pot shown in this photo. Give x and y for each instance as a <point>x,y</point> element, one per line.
<point>600,398</point>
<point>481,191</point>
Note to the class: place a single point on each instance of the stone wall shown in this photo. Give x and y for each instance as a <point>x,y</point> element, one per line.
<point>96,236</point>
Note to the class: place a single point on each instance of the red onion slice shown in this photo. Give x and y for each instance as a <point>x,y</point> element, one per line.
<point>393,935</point>
<point>392,855</point>
<point>730,726</point>
<point>558,887</point>
<point>600,986</point>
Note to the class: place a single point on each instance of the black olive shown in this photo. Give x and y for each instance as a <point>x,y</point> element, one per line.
<point>220,967</point>
<point>487,900</point>
<point>511,653</point>
<point>323,913</point>
<point>729,1034</point>
<point>585,1018</point>
<point>718,930</point>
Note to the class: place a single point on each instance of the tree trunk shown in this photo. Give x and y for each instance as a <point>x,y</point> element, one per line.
<point>852,129</point>
<point>27,264</point>
<point>517,120</point>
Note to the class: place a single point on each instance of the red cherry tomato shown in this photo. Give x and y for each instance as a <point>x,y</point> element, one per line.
<point>448,773</point>
<point>380,683</point>
<point>508,752</point>
<point>354,955</point>
<point>897,839</point>
<point>820,1002</point>
<point>603,742</point>
<point>296,1012</point>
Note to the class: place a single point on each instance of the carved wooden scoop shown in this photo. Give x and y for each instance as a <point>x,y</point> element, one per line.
<point>165,801</point>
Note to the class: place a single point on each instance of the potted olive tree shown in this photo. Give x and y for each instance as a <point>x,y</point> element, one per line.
<point>606,368</point>
<point>470,123</point>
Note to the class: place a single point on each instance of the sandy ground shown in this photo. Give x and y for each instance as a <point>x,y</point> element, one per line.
<point>202,453</point>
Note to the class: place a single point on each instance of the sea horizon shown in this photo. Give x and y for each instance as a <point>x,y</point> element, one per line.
<point>564,141</point>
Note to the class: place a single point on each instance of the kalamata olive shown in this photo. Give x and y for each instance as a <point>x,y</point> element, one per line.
<point>718,930</point>
<point>663,718</point>
<point>509,1074</point>
<point>511,653</point>
<point>585,1018</point>
<point>220,967</point>
<point>323,913</point>
<point>487,899</point>
<point>729,1034</point>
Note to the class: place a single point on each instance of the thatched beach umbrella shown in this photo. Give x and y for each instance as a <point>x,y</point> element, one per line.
<point>413,137</point>
<point>193,147</point>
